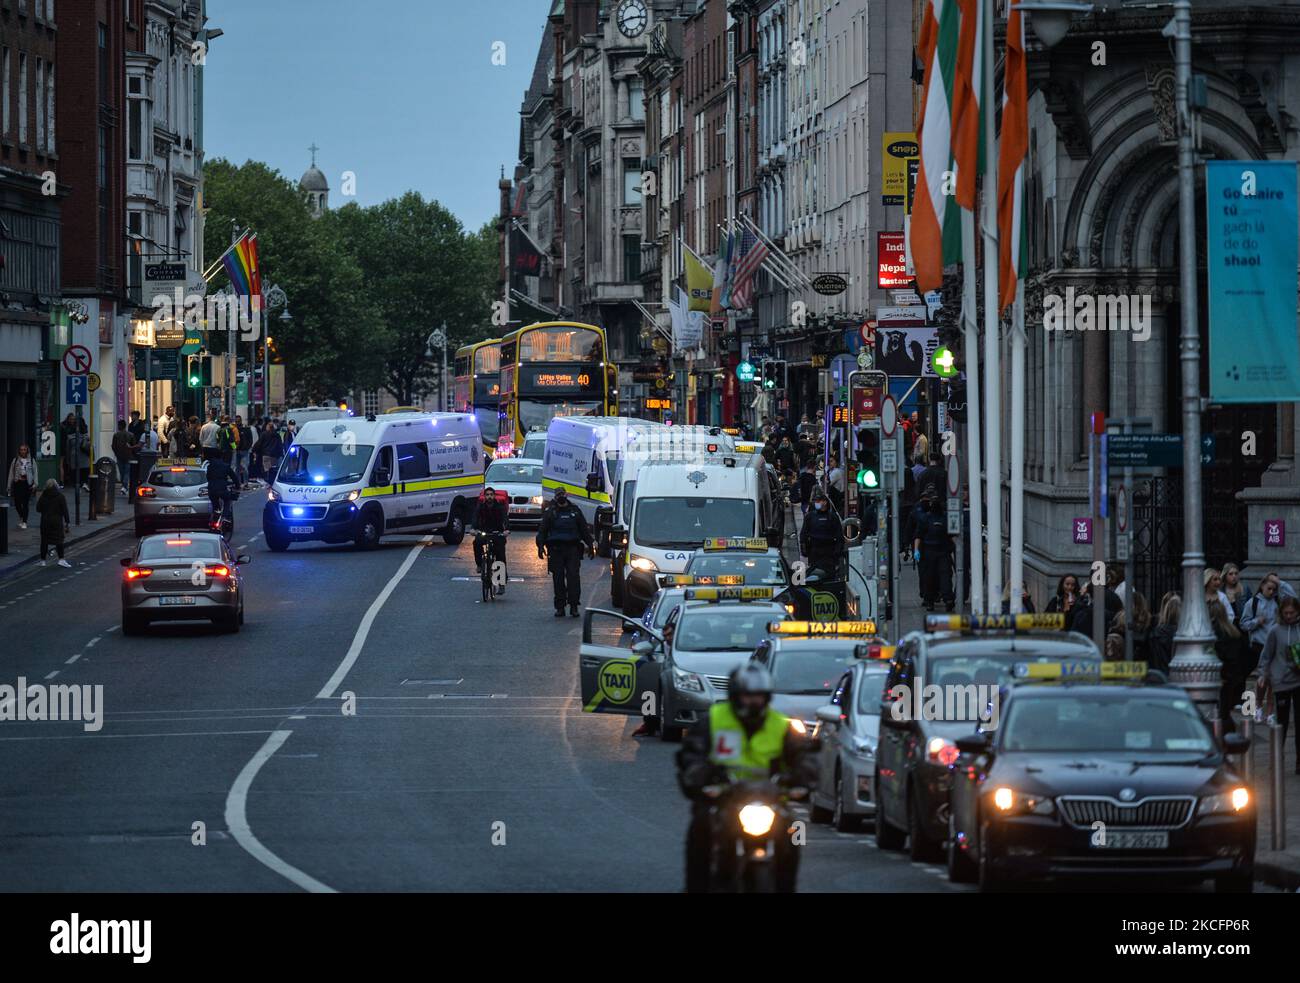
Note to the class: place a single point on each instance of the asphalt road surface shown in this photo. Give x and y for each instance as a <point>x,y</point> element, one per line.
<point>467,765</point>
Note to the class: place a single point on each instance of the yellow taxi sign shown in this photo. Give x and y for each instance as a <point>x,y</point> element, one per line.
<point>736,543</point>
<point>702,580</point>
<point>994,622</point>
<point>729,594</point>
<point>883,652</point>
<point>822,628</point>
<point>1079,669</point>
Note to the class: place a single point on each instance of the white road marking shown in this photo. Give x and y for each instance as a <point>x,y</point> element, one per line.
<point>181,733</point>
<point>237,819</point>
<point>53,674</point>
<point>363,630</point>
<point>73,659</point>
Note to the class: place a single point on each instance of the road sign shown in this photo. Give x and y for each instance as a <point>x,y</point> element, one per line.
<point>1122,548</point>
<point>93,381</point>
<point>1121,509</point>
<point>1207,449</point>
<point>75,390</point>
<point>1149,450</point>
<point>745,371</point>
<point>954,517</point>
<point>888,458</point>
<point>888,416</point>
<point>864,358</point>
<point>76,360</point>
<point>953,475</point>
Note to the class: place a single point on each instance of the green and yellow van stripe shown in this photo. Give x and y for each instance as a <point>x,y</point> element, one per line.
<point>428,484</point>
<point>575,490</point>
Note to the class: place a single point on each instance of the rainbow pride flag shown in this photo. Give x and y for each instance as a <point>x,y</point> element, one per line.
<point>242,267</point>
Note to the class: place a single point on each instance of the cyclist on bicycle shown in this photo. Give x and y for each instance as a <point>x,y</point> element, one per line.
<point>222,482</point>
<point>490,518</point>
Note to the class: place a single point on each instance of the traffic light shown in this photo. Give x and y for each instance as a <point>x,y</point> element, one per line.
<point>869,459</point>
<point>769,373</point>
<point>199,371</point>
<point>781,374</point>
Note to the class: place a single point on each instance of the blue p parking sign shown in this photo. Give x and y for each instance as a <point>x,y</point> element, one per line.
<point>76,390</point>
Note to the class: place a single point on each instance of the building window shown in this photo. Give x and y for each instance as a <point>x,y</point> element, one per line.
<point>40,105</point>
<point>631,259</point>
<point>49,102</point>
<point>137,125</point>
<point>4,93</point>
<point>104,94</point>
<point>22,98</point>
<point>631,181</point>
<point>636,99</point>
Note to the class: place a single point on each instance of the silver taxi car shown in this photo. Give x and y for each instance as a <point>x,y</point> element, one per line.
<point>172,496</point>
<point>182,577</point>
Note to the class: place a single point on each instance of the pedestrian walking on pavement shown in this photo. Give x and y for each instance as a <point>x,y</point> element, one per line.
<point>208,438</point>
<point>21,482</point>
<point>164,431</point>
<point>561,539</point>
<point>55,522</point>
<point>123,447</point>
<point>1279,668</point>
<point>147,453</point>
<point>270,449</point>
<point>1258,616</point>
<point>935,548</point>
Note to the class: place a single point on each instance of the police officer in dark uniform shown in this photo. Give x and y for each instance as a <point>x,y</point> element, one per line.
<point>561,539</point>
<point>936,549</point>
<point>821,539</point>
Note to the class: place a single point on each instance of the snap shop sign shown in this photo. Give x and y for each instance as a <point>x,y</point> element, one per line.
<point>898,147</point>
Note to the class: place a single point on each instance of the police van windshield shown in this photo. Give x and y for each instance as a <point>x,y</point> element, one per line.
<point>686,521</point>
<point>324,464</point>
<point>1120,721</point>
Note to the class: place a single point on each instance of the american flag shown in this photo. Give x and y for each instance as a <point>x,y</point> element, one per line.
<point>752,253</point>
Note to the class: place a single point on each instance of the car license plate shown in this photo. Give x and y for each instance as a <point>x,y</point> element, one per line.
<point>183,599</point>
<point>299,530</point>
<point>1130,841</point>
<point>176,510</point>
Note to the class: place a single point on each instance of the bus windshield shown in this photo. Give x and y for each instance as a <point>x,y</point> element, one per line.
<point>537,413</point>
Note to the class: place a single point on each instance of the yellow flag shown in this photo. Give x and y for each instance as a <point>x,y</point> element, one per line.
<point>699,283</point>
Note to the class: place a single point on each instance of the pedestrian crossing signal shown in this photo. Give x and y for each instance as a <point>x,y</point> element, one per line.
<point>868,479</point>
<point>199,371</point>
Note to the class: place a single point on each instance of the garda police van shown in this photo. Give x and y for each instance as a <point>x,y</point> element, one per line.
<point>356,480</point>
<point>678,505</point>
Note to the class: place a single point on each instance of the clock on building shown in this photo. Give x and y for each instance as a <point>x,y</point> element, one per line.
<point>632,17</point>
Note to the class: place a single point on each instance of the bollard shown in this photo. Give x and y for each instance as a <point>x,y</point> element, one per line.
<point>1248,759</point>
<point>1277,791</point>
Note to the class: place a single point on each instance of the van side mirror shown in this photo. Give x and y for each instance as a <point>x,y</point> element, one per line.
<point>604,517</point>
<point>381,476</point>
<point>829,714</point>
<point>593,481</point>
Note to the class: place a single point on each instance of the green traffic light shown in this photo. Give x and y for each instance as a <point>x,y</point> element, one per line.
<point>868,479</point>
<point>194,381</point>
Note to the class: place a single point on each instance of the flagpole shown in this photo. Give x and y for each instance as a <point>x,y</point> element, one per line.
<point>779,259</point>
<point>992,339</point>
<point>970,322</point>
<point>1017,531</point>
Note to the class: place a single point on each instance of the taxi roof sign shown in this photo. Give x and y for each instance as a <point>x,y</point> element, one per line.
<point>729,594</point>
<point>835,628</point>
<point>736,543</point>
<point>995,622</point>
<point>701,580</point>
<point>1079,669</point>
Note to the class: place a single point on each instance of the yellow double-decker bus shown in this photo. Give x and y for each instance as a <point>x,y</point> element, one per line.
<point>550,369</point>
<point>478,386</point>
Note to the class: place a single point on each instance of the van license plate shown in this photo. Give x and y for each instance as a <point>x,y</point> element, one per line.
<point>1131,841</point>
<point>300,530</point>
<point>185,599</point>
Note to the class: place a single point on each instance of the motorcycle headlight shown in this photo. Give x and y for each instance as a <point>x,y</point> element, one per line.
<point>348,496</point>
<point>1009,802</point>
<point>1225,803</point>
<point>272,495</point>
<point>756,819</point>
<point>644,564</point>
<point>688,681</point>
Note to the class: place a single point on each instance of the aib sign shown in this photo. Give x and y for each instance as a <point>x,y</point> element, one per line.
<point>1083,532</point>
<point>1275,532</point>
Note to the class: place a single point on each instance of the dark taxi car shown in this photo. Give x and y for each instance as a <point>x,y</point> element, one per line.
<point>1101,779</point>
<point>941,684</point>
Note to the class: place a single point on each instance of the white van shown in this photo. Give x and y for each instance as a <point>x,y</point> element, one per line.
<point>354,480</point>
<point>304,415</point>
<point>677,505</point>
<point>583,455</point>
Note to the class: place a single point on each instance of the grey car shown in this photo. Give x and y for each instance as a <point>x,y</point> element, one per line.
<point>182,577</point>
<point>706,640</point>
<point>849,729</point>
<point>172,496</point>
<point>521,480</point>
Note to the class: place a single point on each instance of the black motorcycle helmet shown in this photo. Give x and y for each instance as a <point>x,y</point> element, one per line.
<point>749,691</point>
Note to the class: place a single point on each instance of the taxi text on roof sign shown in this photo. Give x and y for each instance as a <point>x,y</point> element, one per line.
<point>735,543</point>
<point>729,594</point>
<point>1083,668</point>
<point>994,622</point>
<point>822,627</point>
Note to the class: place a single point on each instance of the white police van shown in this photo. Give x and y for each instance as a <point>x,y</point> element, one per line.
<point>355,480</point>
<point>677,505</point>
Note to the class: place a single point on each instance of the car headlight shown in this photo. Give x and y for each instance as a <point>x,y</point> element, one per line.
<point>756,819</point>
<point>1232,801</point>
<point>347,496</point>
<point>644,564</point>
<point>536,500</point>
<point>1009,802</point>
<point>798,726</point>
<point>689,681</point>
<point>272,495</point>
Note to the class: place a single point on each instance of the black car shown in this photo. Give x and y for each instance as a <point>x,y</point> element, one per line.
<point>1089,779</point>
<point>941,684</point>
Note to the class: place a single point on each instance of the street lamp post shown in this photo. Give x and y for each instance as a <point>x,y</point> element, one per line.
<point>438,339</point>
<point>1195,666</point>
<point>275,297</point>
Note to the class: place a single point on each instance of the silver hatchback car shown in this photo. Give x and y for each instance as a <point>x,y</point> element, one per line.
<point>182,577</point>
<point>173,496</point>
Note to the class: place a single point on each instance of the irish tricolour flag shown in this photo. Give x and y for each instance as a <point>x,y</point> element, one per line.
<point>936,225</point>
<point>1012,149</point>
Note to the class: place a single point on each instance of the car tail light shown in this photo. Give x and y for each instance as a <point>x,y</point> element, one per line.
<point>145,491</point>
<point>217,571</point>
<point>179,542</point>
<point>943,751</point>
<point>175,470</point>
<point>138,573</point>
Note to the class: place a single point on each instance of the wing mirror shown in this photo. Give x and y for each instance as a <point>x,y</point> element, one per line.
<point>243,558</point>
<point>593,481</point>
<point>1235,744</point>
<point>829,714</point>
<point>643,648</point>
<point>381,476</point>
<point>974,743</point>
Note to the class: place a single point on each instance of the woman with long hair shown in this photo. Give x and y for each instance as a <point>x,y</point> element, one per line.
<point>1160,646</point>
<point>1234,589</point>
<point>1229,644</point>
<point>1065,598</point>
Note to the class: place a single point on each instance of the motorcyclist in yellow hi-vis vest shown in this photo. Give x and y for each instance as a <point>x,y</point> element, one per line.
<point>741,740</point>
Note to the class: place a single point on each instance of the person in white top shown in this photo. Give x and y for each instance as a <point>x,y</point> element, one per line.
<point>208,438</point>
<point>1214,589</point>
<point>164,424</point>
<point>21,482</point>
